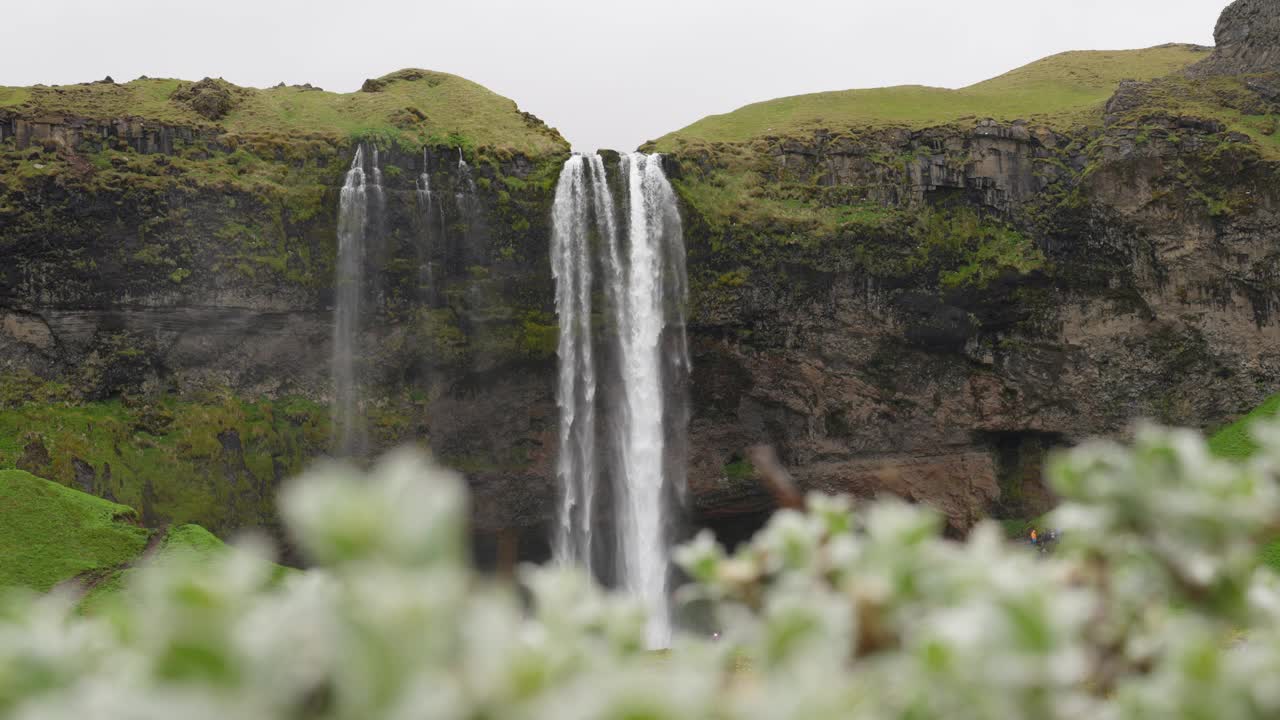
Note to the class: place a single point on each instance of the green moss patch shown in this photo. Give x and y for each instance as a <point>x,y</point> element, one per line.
<point>215,461</point>
<point>1234,440</point>
<point>965,249</point>
<point>192,539</point>
<point>50,533</point>
<point>1271,555</point>
<point>1225,100</point>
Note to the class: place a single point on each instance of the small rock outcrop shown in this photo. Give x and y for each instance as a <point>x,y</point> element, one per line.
<point>373,85</point>
<point>1248,40</point>
<point>212,99</point>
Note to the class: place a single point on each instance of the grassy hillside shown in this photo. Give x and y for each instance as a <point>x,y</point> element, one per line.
<point>414,106</point>
<point>1060,90</point>
<point>191,539</point>
<point>185,541</point>
<point>1234,441</point>
<point>50,533</point>
<point>167,458</point>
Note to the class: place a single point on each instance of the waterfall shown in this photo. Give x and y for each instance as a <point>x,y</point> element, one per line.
<point>376,223</point>
<point>353,223</point>
<point>650,301</point>
<point>424,184</point>
<point>576,389</point>
<point>644,287</point>
<point>466,183</point>
<point>468,208</point>
<point>425,197</point>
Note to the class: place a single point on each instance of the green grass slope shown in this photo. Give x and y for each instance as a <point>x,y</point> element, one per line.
<point>185,542</point>
<point>192,539</point>
<point>50,533</point>
<point>416,107</point>
<point>164,457</point>
<point>1061,90</point>
<point>1234,440</point>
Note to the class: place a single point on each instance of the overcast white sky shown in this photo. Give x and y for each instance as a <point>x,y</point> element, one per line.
<point>607,73</point>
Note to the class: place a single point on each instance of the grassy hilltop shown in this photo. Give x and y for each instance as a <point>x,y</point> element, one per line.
<point>413,107</point>
<point>1061,90</point>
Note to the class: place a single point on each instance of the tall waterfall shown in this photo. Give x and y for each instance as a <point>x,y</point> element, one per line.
<point>353,224</point>
<point>576,393</point>
<point>644,287</point>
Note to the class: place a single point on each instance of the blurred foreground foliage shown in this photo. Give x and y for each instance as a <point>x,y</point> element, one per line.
<point>1153,606</point>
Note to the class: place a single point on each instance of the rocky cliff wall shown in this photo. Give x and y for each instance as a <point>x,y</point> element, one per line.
<point>1247,40</point>
<point>917,311</point>
<point>166,314</point>
<point>952,302</point>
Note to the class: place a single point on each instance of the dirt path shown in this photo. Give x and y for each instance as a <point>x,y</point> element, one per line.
<point>84,583</point>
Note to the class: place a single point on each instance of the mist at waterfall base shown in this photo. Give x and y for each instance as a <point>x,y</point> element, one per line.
<point>622,394</point>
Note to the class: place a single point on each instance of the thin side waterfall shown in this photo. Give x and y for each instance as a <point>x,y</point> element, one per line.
<point>466,183</point>
<point>465,189</point>
<point>644,285</point>
<point>424,184</point>
<point>425,198</point>
<point>467,205</point>
<point>353,221</point>
<point>376,223</point>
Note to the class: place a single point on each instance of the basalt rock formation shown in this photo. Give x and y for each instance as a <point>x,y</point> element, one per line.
<point>1247,40</point>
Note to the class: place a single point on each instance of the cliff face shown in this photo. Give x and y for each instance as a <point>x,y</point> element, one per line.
<point>925,308</point>
<point>167,292</point>
<point>1247,40</point>
<point>1008,290</point>
<point>915,291</point>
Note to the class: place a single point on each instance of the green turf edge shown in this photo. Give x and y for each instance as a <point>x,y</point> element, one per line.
<point>1234,440</point>
<point>50,533</point>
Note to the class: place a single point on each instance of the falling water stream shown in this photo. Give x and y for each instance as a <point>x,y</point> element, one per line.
<point>424,183</point>
<point>644,287</point>
<point>576,462</point>
<point>358,195</point>
<point>425,202</point>
<point>625,444</point>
